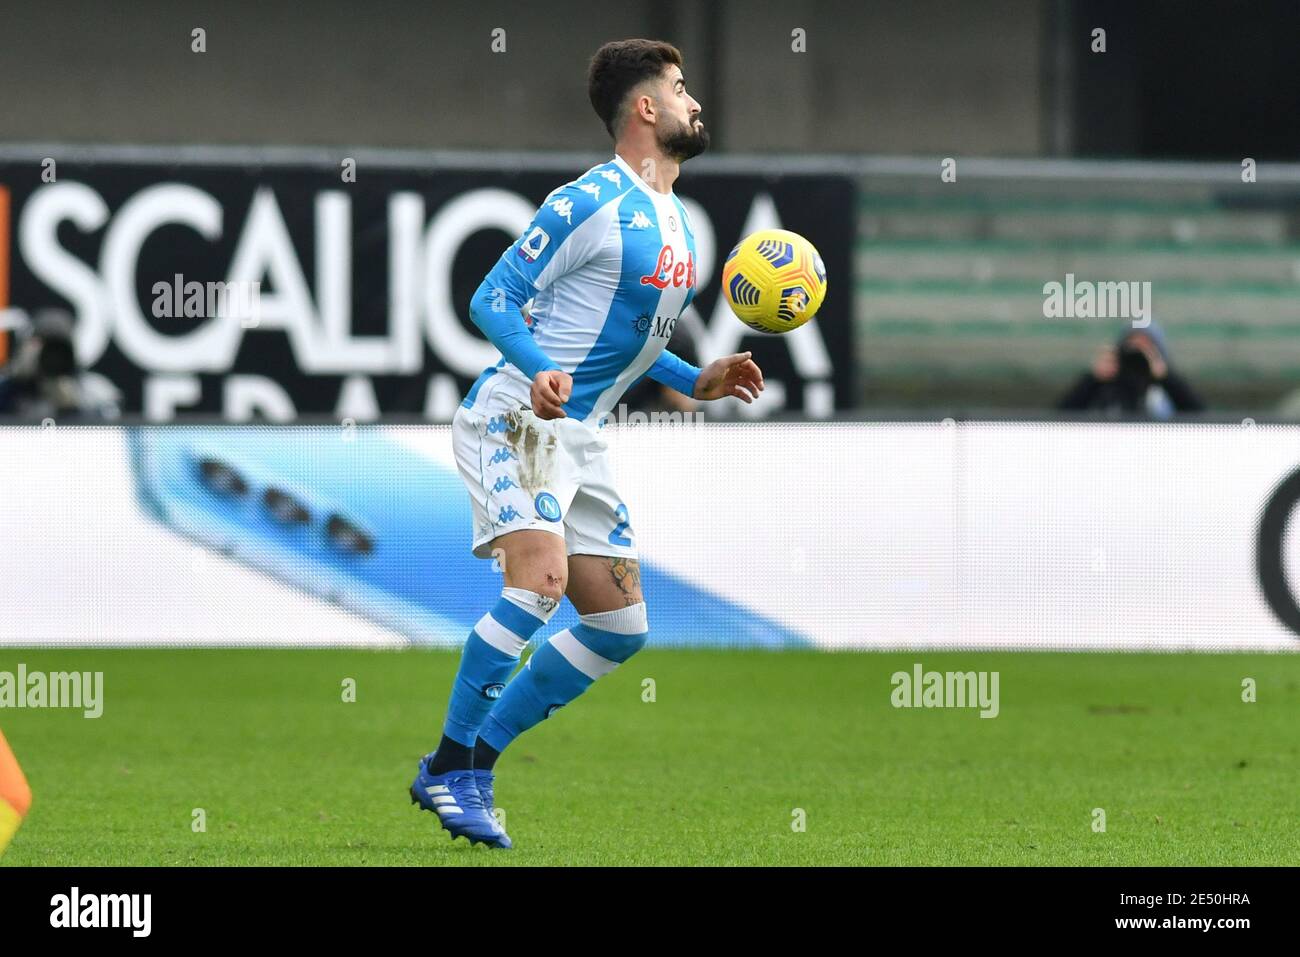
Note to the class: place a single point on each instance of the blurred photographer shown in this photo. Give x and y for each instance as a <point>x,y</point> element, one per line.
<point>1134,377</point>
<point>43,379</point>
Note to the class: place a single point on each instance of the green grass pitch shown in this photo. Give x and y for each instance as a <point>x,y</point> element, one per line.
<point>711,772</point>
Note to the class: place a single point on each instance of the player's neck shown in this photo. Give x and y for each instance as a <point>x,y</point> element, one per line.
<point>657,171</point>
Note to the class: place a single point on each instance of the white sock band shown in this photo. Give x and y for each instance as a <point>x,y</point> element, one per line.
<point>580,656</point>
<point>539,606</point>
<point>631,620</point>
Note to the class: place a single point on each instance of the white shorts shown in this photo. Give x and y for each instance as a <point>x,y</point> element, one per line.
<point>555,475</point>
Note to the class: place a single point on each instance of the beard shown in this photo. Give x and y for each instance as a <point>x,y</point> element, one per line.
<point>684,142</point>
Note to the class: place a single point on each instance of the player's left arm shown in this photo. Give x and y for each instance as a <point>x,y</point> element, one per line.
<point>675,372</point>
<point>736,375</point>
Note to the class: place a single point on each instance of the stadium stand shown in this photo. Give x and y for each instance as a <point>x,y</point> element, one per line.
<point>949,304</point>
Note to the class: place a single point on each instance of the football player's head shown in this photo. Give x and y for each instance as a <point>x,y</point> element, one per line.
<point>637,87</point>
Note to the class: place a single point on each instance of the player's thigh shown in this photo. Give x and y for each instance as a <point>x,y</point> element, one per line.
<point>519,485</point>
<point>604,573</point>
<point>603,583</point>
<point>533,559</point>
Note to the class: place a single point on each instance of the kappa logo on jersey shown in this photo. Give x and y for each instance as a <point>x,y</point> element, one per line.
<point>533,244</point>
<point>669,274</point>
<point>563,208</point>
<point>640,221</point>
<point>613,177</point>
<point>592,188</point>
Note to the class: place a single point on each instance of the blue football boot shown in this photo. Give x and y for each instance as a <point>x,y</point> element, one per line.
<point>484,780</point>
<point>455,798</point>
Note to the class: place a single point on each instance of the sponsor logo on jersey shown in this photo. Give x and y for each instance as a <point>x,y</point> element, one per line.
<point>533,244</point>
<point>663,326</point>
<point>670,273</point>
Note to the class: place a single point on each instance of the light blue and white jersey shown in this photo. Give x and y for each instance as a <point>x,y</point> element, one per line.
<point>609,265</point>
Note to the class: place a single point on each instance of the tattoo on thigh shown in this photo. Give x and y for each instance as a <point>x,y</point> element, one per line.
<point>627,576</point>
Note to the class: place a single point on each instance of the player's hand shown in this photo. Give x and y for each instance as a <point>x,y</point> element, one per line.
<point>551,389</point>
<point>736,375</point>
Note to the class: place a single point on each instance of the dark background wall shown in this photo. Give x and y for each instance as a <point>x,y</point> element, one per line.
<point>896,77</point>
<point>1203,80</point>
<point>1001,77</point>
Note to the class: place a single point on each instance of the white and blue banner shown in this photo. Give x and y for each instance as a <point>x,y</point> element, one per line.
<point>822,536</point>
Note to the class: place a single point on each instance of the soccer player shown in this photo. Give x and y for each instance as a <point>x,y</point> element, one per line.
<point>608,263</point>
<point>15,795</point>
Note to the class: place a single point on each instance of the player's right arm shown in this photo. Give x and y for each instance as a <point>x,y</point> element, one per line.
<point>565,233</point>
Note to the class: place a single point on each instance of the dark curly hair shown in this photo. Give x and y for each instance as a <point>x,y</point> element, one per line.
<point>619,66</point>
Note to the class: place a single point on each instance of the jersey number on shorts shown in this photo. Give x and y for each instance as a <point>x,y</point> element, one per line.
<point>616,537</point>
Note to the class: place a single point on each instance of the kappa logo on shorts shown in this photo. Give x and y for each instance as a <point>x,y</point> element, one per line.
<point>496,424</point>
<point>499,456</point>
<point>508,514</point>
<point>503,483</point>
<point>548,506</point>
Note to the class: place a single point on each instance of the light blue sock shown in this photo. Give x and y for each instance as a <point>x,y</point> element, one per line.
<point>564,668</point>
<point>490,655</point>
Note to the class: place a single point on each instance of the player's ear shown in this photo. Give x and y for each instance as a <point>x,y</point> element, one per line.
<point>645,106</point>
